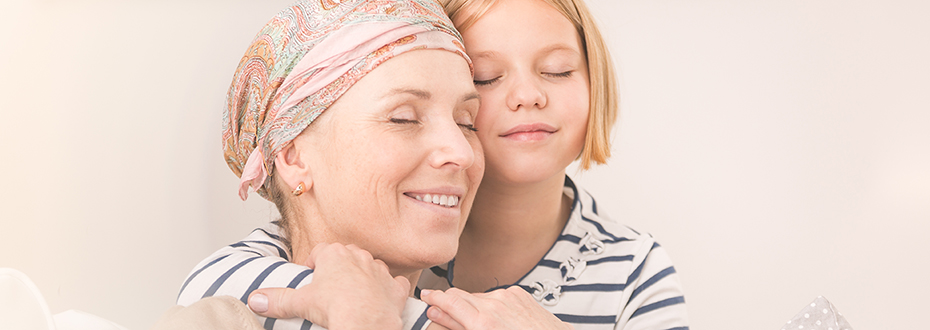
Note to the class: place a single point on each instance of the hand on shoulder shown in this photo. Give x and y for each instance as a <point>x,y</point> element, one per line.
<point>510,308</point>
<point>350,290</point>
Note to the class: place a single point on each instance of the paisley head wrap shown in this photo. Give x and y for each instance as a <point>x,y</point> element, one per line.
<point>304,59</point>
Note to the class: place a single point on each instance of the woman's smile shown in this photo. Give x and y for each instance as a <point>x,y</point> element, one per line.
<point>437,199</point>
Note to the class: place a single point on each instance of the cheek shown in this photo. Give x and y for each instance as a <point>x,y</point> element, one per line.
<point>577,104</point>
<point>476,171</point>
<point>401,154</point>
<point>492,103</point>
<point>360,165</point>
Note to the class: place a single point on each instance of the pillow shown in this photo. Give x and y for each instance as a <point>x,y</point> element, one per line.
<point>819,315</point>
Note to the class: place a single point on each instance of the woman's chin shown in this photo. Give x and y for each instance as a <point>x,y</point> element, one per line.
<point>437,254</point>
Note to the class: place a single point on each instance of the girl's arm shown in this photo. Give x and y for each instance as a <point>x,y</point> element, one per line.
<point>261,261</point>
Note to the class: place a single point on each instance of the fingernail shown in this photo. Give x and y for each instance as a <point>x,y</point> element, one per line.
<point>424,293</point>
<point>258,303</point>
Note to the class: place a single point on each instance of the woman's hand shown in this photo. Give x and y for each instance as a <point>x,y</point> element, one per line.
<point>511,308</point>
<point>350,290</point>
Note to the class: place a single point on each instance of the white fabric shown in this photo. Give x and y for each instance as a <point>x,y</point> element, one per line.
<point>22,307</point>
<point>21,304</point>
<point>78,320</point>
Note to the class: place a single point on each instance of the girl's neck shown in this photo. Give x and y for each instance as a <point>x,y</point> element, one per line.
<point>501,209</point>
<point>510,228</point>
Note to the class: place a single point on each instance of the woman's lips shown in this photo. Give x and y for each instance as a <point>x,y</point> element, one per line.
<point>438,199</point>
<point>448,196</point>
<point>529,132</point>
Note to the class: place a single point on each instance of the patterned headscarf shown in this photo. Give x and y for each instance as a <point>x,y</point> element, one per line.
<point>305,58</point>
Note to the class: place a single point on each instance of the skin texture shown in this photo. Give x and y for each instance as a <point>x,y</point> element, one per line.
<point>400,131</point>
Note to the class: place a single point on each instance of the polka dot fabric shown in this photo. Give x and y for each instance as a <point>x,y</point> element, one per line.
<point>818,315</point>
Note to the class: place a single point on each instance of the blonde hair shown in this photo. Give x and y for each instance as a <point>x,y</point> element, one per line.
<point>603,85</point>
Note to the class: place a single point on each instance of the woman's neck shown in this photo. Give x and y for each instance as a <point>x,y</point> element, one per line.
<point>510,228</point>
<point>302,243</point>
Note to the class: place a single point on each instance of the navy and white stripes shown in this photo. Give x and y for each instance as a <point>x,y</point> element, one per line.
<point>599,274</point>
<point>261,261</point>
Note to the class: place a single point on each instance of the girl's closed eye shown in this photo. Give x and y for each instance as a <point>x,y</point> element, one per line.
<point>565,74</point>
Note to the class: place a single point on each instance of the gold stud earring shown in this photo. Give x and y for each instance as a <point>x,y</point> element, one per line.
<point>299,190</point>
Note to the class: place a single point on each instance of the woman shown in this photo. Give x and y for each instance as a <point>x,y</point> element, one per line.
<point>548,96</point>
<point>355,120</point>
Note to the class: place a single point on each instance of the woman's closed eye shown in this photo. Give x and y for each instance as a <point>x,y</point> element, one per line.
<point>404,121</point>
<point>487,82</point>
<point>470,127</point>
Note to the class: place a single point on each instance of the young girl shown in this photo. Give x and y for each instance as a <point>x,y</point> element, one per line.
<point>548,97</point>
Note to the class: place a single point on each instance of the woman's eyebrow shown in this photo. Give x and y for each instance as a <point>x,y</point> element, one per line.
<point>471,96</point>
<point>418,93</point>
<point>484,54</point>
<point>426,95</point>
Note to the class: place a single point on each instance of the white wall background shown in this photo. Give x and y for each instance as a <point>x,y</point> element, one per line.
<point>780,150</point>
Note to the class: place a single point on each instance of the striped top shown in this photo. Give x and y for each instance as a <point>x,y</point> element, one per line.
<point>599,274</point>
<point>261,260</point>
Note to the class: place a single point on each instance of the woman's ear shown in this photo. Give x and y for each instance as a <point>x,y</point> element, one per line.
<point>292,170</point>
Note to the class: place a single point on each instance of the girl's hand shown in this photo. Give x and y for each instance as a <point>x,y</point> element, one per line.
<point>511,308</point>
<point>350,290</point>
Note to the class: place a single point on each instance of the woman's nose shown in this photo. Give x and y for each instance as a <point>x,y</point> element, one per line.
<point>452,148</point>
<point>525,90</point>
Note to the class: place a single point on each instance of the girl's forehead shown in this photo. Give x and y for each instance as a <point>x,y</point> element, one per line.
<point>521,26</point>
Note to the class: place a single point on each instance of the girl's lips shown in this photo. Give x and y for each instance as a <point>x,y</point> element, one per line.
<point>528,136</point>
<point>530,128</point>
<point>529,132</point>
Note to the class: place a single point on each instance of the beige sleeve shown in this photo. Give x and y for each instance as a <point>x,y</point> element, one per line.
<point>220,312</point>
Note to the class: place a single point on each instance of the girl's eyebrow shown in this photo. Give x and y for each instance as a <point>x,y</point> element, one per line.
<point>559,48</point>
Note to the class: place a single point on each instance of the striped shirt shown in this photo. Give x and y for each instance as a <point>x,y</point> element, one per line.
<point>261,260</point>
<point>599,274</point>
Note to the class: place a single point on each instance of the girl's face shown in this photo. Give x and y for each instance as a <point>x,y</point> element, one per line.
<point>532,75</point>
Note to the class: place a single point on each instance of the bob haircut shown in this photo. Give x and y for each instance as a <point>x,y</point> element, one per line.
<point>604,97</point>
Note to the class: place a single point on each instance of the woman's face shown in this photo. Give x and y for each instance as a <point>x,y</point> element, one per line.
<point>533,79</point>
<point>394,164</point>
